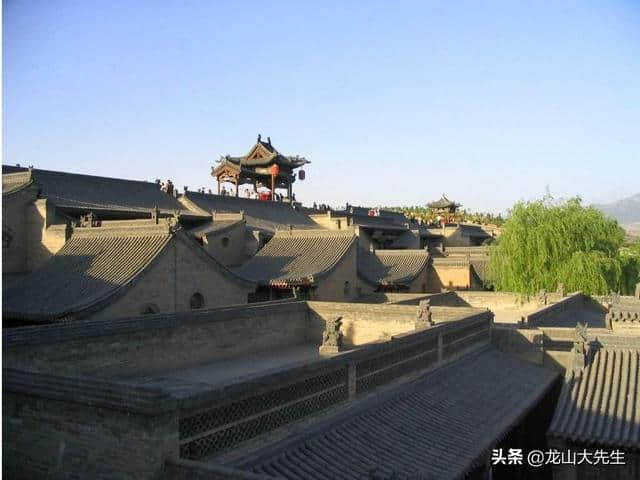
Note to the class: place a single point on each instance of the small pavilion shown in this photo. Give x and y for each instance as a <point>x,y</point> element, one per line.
<point>444,205</point>
<point>262,165</point>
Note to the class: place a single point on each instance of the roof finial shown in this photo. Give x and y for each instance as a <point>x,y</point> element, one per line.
<point>269,140</point>
<point>259,138</point>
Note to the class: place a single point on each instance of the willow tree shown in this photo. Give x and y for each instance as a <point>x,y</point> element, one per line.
<point>545,243</point>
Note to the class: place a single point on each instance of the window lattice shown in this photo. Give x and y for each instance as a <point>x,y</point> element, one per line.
<point>368,366</point>
<point>384,375</point>
<point>225,438</point>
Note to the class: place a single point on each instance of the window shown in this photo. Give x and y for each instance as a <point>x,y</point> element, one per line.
<point>225,242</point>
<point>197,301</point>
<point>150,309</point>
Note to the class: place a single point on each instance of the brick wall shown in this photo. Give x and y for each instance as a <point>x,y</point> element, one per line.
<point>332,287</point>
<point>449,276</point>
<point>53,432</point>
<point>234,252</point>
<point>147,344</point>
<point>363,323</point>
<point>15,208</point>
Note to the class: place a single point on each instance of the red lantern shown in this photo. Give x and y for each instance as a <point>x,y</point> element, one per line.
<point>275,169</point>
<point>301,174</point>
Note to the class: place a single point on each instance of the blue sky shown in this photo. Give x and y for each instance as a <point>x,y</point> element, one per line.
<point>393,102</point>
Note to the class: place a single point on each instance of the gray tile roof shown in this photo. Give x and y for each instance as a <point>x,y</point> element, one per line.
<point>214,226</point>
<point>602,405</point>
<point>88,269</point>
<point>297,257</point>
<point>439,426</point>
<point>259,215</point>
<point>93,266</point>
<point>473,231</point>
<point>13,169</point>
<point>444,202</point>
<point>88,192</point>
<point>391,267</point>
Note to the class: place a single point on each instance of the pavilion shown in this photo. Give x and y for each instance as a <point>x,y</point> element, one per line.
<point>444,205</point>
<point>262,165</point>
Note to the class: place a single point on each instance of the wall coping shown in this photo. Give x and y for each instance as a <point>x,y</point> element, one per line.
<point>385,307</point>
<point>83,329</point>
<point>97,393</point>
<point>560,305</point>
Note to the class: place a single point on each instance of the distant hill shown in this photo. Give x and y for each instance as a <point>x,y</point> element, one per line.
<point>626,211</point>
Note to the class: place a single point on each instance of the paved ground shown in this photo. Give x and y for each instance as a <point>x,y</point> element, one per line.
<point>185,380</point>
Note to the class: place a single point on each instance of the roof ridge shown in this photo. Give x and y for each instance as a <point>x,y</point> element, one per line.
<point>399,251</point>
<point>123,231</point>
<point>145,182</point>
<point>312,232</point>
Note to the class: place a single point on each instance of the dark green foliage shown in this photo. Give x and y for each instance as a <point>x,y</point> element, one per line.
<point>424,214</point>
<point>543,243</point>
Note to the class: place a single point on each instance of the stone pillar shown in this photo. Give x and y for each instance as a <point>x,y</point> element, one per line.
<point>637,295</point>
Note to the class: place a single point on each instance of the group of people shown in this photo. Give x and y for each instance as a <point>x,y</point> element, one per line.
<point>166,187</point>
<point>253,194</point>
<point>321,206</point>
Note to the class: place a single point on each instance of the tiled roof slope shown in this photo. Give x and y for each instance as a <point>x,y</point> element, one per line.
<point>439,426</point>
<point>601,405</point>
<point>73,190</point>
<point>259,215</point>
<point>94,265</point>
<point>391,267</point>
<point>444,202</point>
<point>214,226</point>
<point>297,257</point>
<point>469,230</point>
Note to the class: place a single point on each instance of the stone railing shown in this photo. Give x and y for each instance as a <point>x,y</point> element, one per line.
<point>222,418</point>
<point>621,318</point>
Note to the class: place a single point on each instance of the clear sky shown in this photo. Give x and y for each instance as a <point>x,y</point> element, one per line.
<point>393,102</point>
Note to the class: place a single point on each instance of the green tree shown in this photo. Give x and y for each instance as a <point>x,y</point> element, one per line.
<point>544,243</point>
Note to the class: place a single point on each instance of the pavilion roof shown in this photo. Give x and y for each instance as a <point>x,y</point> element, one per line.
<point>263,154</point>
<point>439,426</point>
<point>298,257</point>
<point>444,202</point>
